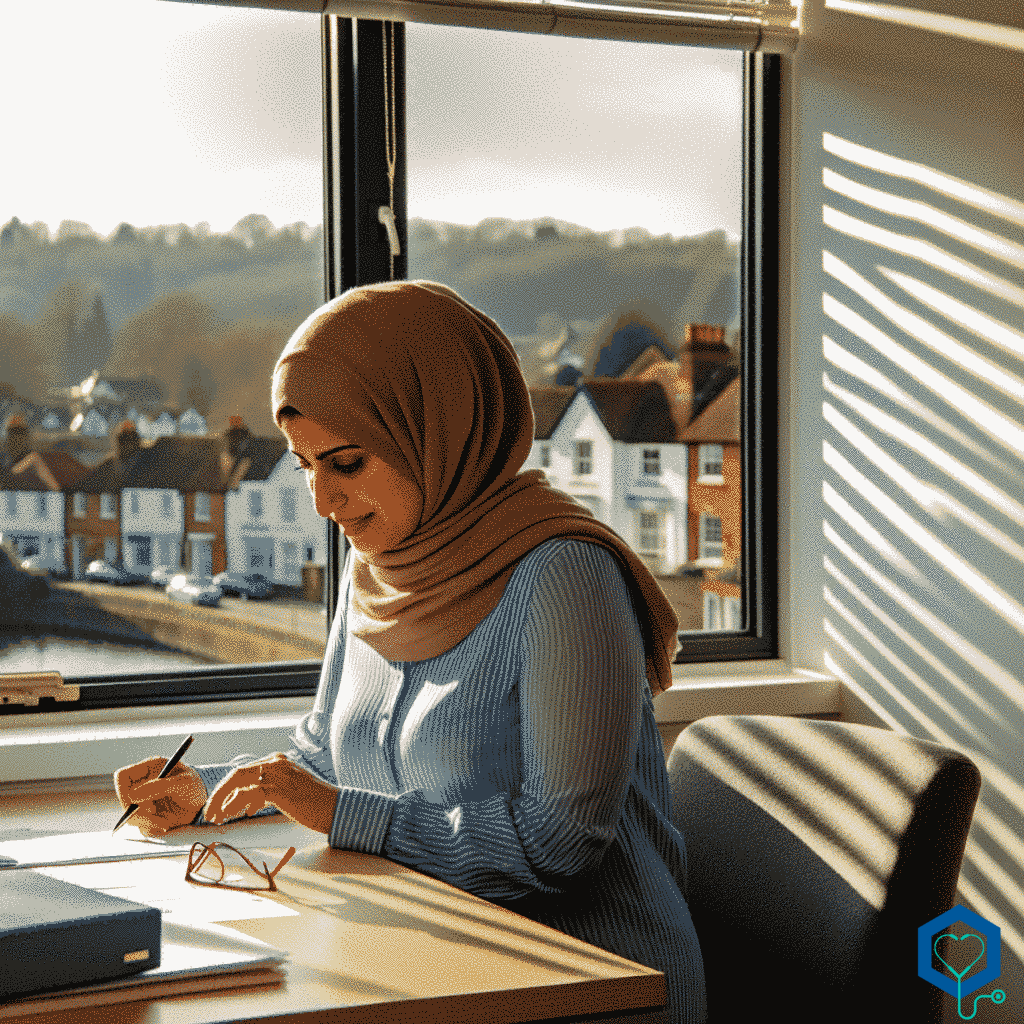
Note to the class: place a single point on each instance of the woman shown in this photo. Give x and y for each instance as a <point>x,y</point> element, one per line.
<point>484,712</point>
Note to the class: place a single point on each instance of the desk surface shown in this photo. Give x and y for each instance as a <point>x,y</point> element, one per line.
<point>376,941</point>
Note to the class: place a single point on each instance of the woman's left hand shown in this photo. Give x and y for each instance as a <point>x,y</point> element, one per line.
<point>274,780</point>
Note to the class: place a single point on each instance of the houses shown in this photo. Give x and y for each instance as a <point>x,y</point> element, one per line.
<point>654,454</point>
<point>204,504</point>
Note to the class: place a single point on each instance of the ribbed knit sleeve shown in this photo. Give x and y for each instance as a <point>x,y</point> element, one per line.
<point>581,682</point>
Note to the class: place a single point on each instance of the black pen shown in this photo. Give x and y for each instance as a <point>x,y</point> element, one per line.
<point>164,772</point>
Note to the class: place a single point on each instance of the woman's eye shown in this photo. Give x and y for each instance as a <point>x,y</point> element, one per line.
<point>347,468</point>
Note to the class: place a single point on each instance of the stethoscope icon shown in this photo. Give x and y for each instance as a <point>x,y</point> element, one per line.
<point>996,995</point>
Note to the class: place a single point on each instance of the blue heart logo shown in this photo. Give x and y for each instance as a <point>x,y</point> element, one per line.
<point>959,975</point>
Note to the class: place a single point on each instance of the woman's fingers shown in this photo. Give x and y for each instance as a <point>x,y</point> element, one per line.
<point>238,794</point>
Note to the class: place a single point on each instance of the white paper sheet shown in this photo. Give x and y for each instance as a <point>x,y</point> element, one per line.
<point>85,847</point>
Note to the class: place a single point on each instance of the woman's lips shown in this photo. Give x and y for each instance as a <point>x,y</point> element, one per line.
<point>353,526</point>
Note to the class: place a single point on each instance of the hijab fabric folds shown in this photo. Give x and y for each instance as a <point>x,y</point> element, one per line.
<point>417,376</point>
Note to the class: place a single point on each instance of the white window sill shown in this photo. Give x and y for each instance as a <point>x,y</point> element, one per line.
<point>90,745</point>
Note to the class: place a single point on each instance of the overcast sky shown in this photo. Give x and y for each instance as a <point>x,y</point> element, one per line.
<point>154,112</point>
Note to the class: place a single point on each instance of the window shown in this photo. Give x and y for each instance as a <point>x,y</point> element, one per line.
<point>288,506</point>
<point>352,243</point>
<point>651,538</point>
<point>201,507</point>
<point>12,504</point>
<point>583,463</point>
<point>652,462</point>
<point>255,500</point>
<point>120,261</point>
<point>545,456</point>
<point>709,458</point>
<point>712,611</point>
<point>493,209</point>
<point>710,538</point>
<point>42,499</point>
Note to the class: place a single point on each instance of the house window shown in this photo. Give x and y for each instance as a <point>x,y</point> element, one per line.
<point>107,507</point>
<point>167,504</point>
<point>545,456</point>
<point>709,460</point>
<point>651,533</point>
<point>78,505</point>
<point>201,507</point>
<point>652,461</point>
<point>309,553</point>
<point>712,611</point>
<point>110,549</point>
<point>583,463</point>
<point>710,538</point>
<point>255,499</point>
<point>135,504</point>
<point>288,504</point>
<point>42,505</point>
<point>12,504</point>
<point>732,616</point>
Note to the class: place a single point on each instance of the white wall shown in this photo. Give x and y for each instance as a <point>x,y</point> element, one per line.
<point>901,507</point>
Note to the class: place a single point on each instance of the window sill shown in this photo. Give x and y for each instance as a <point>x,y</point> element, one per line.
<point>83,748</point>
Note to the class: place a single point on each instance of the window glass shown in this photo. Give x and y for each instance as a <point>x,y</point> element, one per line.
<point>160,241</point>
<point>593,206</point>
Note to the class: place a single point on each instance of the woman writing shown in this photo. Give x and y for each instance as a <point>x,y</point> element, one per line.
<point>484,713</point>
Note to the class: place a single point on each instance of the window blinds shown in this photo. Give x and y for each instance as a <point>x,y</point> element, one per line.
<point>766,26</point>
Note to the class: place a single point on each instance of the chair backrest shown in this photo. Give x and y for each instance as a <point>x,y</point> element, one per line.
<point>815,851</point>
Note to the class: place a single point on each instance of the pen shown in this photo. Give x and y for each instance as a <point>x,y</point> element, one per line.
<point>164,772</point>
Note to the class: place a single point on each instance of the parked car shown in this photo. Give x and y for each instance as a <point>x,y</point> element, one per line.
<point>194,590</point>
<point>243,585</point>
<point>101,571</point>
<point>36,565</point>
<point>161,575</point>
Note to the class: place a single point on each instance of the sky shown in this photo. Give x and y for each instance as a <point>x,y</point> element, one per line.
<point>156,112</point>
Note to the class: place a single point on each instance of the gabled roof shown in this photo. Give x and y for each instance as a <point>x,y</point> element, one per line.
<point>263,453</point>
<point>170,462</point>
<point>715,383</point>
<point>631,410</point>
<point>549,405</point>
<point>22,479</point>
<point>719,422</point>
<point>58,470</point>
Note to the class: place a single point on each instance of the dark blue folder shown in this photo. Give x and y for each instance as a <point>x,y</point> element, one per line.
<point>54,935</point>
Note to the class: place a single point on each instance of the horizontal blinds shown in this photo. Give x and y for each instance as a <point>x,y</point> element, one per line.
<point>767,26</point>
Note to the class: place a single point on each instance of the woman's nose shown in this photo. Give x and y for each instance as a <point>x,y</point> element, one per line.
<point>325,499</point>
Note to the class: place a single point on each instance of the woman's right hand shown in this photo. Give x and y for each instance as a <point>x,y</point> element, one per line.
<point>163,803</point>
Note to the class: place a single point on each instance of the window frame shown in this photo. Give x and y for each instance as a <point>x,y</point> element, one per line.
<point>356,252</point>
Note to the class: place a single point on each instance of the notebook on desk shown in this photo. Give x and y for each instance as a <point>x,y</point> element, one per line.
<point>54,934</point>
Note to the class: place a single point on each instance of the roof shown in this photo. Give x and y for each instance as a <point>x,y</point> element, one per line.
<point>263,453</point>
<point>549,405</point>
<point>22,479</point>
<point>58,470</point>
<point>631,410</point>
<point>720,419</point>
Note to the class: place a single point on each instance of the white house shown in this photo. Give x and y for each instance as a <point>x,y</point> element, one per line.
<point>152,525</point>
<point>32,519</point>
<point>270,523</point>
<point>611,445</point>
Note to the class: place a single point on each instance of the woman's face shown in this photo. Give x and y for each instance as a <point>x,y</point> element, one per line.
<point>374,504</point>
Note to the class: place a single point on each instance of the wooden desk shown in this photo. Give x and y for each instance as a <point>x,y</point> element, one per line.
<point>378,942</point>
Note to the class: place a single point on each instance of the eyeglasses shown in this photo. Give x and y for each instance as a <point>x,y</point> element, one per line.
<point>222,865</point>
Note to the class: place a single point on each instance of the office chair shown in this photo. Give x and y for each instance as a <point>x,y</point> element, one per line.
<point>815,851</point>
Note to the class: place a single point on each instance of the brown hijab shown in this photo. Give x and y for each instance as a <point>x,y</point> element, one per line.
<point>417,376</point>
